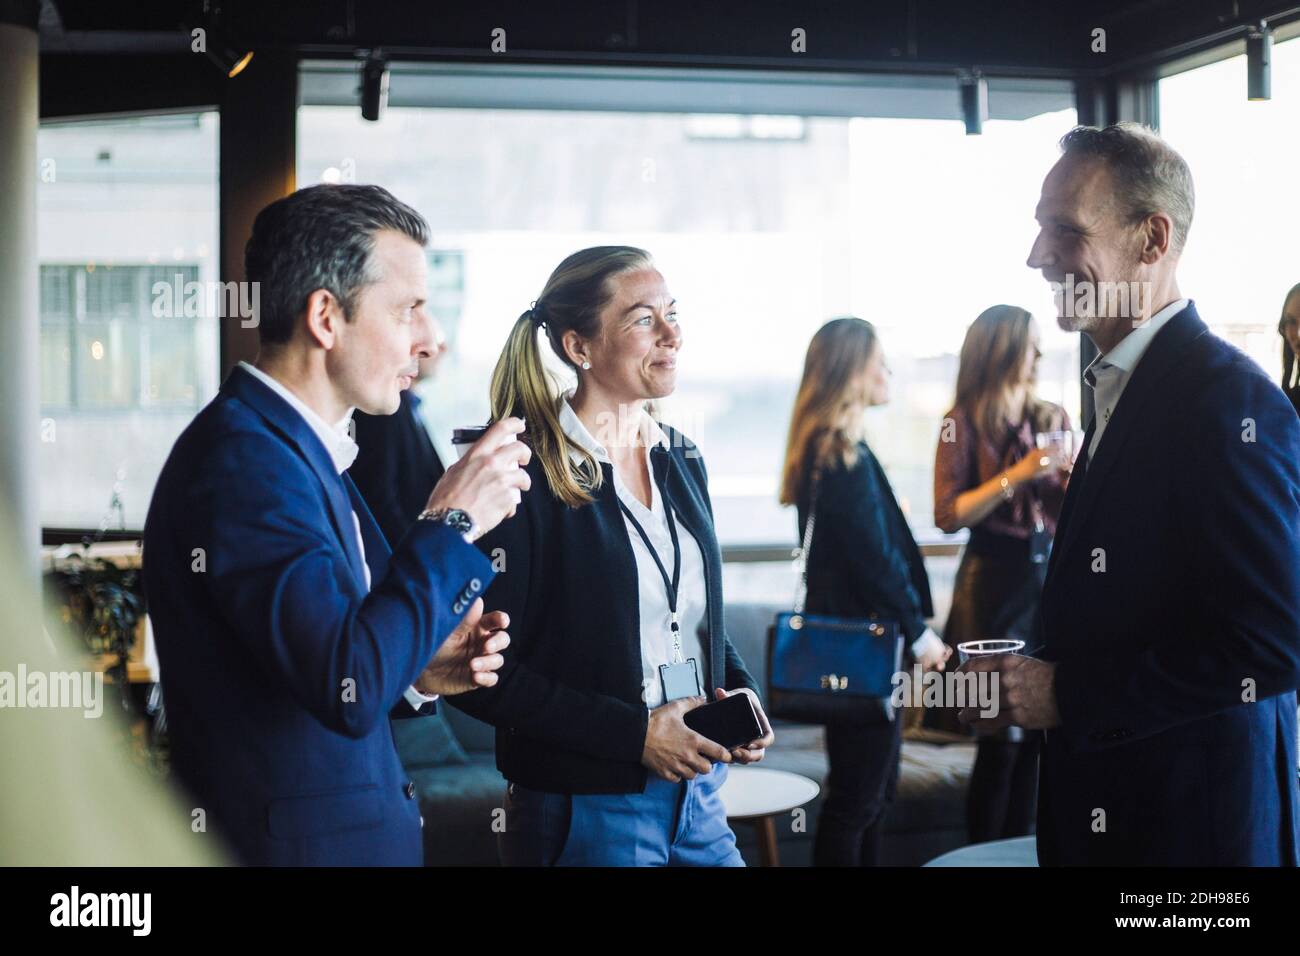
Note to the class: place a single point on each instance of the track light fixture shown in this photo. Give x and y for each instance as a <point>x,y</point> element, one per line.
<point>1259,60</point>
<point>374,86</point>
<point>974,102</point>
<point>229,59</point>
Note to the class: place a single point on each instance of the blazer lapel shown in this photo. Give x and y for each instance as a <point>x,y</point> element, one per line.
<point>1143,388</point>
<point>285,420</point>
<point>378,549</point>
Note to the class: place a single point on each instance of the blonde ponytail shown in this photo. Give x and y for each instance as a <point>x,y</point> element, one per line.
<point>521,386</point>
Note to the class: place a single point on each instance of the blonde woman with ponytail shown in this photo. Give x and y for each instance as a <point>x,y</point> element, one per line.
<point>611,577</point>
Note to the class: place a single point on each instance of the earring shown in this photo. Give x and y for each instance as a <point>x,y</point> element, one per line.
<point>586,365</point>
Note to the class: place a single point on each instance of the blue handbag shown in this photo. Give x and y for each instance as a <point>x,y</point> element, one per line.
<point>830,670</point>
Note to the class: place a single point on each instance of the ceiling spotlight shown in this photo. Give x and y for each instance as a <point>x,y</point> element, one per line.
<point>229,59</point>
<point>974,102</point>
<point>374,87</point>
<point>1259,57</point>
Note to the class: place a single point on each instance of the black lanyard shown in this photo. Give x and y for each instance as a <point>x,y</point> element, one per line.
<point>670,585</point>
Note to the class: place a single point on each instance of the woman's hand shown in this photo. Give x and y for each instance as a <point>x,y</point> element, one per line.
<point>935,660</point>
<point>1039,462</point>
<point>673,750</point>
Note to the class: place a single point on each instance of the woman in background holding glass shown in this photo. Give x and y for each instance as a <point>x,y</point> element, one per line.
<point>992,476</point>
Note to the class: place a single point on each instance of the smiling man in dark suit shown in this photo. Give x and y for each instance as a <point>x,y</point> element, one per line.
<point>1171,612</point>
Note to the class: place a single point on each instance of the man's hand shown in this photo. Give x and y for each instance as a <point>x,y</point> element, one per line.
<point>1026,693</point>
<point>470,656</point>
<point>489,481</point>
<point>753,751</point>
<point>674,751</point>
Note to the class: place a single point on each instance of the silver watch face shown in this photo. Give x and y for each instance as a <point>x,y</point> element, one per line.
<point>459,520</point>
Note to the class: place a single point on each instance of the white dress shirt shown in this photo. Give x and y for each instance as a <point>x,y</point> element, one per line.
<point>692,602</point>
<point>1108,374</point>
<point>342,448</point>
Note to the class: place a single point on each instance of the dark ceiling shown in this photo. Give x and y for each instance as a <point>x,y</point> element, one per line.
<point>994,35</point>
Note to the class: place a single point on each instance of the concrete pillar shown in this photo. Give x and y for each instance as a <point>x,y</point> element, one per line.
<point>19,307</point>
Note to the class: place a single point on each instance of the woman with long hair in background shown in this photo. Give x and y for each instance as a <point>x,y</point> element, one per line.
<point>990,477</point>
<point>863,563</point>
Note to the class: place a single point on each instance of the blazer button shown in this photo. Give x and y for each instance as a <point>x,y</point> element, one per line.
<point>410,790</point>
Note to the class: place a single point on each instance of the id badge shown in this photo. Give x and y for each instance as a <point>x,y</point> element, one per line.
<point>1040,545</point>
<point>680,680</point>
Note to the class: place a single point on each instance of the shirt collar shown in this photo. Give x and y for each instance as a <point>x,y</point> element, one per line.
<point>337,439</point>
<point>1132,347</point>
<point>577,432</point>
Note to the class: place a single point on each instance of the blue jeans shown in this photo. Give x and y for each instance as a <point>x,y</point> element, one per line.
<point>669,824</point>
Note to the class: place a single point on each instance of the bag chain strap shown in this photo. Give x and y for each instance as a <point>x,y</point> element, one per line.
<point>801,556</point>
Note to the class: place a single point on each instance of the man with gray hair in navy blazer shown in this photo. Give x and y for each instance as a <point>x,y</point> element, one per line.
<point>288,630</point>
<point>1170,619</point>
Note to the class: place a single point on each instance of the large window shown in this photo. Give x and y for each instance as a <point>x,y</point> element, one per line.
<point>101,350</point>
<point>764,227</point>
<point>1241,253</point>
<point>128,238</point>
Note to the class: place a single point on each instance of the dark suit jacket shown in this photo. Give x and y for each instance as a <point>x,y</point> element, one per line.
<point>1158,761</point>
<point>280,669</point>
<point>568,708</point>
<point>864,560</point>
<point>396,466</point>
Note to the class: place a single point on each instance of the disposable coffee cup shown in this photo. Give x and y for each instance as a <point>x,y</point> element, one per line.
<point>463,438</point>
<point>992,648</point>
<point>971,649</point>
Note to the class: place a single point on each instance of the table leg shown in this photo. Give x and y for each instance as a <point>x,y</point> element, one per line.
<point>767,851</point>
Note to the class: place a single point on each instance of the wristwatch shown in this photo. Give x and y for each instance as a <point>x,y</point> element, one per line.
<point>453,518</point>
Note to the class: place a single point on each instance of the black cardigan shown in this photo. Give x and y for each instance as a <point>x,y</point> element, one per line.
<point>864,561</point>
<point>568,704</point>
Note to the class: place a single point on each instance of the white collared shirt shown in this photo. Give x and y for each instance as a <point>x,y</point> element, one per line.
<point>692,601</point>
<point>342,448</point>
<point>1108,374</point>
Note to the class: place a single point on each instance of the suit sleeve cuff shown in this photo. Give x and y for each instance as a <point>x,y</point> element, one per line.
<point>928,643</point>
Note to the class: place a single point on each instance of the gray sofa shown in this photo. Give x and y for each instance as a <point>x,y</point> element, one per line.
<point>450,759</point>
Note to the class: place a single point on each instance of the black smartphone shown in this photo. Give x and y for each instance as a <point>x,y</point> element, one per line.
<point>731,722</point>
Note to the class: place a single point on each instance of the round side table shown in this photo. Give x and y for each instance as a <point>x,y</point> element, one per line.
<point>757,795</point>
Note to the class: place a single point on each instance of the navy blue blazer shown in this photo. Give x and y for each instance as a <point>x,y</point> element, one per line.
<point>1172,610</point>
<point>279,668</point>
